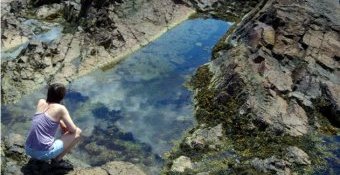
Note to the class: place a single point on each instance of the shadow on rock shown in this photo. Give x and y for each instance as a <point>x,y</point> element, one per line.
<point>37,167</point>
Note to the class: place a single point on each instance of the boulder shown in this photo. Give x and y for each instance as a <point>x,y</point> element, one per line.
<point>206,138</point>
<point>181,164</point>
<point>297,156</point>
<point>271,164</point>
<point>49,11</point>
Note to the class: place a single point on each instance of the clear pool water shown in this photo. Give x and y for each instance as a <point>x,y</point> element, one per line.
<point>135,110</point>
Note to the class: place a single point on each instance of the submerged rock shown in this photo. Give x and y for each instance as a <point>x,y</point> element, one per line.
<point>110,168</point>
<point>89,171</point>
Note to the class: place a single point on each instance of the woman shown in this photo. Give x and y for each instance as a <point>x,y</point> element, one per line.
<point>41,143</point>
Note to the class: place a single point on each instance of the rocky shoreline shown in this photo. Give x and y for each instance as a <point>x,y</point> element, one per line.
<point>263,104</point>
<point>269,95</point>
<point>15,161</point>
<point>95,35</point>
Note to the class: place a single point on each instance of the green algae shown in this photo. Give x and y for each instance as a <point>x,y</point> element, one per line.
<point>247,143</point>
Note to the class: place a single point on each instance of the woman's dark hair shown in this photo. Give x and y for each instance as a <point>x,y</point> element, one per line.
<point>56,93</point>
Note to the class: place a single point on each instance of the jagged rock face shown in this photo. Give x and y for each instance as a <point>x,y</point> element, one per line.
<point>281,53</point>
<point>275,78</point>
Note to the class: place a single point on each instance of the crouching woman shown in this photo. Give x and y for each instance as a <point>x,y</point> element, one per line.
<point>41,143</point>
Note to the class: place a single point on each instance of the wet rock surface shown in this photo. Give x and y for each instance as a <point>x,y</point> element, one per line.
<point>110,168</point>
<point>273,87</point>
<point>15,161</point>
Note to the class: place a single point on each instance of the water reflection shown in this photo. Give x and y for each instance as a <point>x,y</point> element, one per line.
<point>135,110</point>
<point>147,88</point>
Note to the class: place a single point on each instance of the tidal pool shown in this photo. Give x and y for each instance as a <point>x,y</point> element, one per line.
<point>135,110</point>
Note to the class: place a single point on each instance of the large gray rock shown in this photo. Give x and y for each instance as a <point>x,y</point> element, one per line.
<point>206,138</point>
<point>272,164</point>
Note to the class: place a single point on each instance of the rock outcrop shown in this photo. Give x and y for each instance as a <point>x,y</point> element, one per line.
<point>272,84</point>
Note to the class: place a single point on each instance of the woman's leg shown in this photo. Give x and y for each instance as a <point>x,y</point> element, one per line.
<point>69,140</point>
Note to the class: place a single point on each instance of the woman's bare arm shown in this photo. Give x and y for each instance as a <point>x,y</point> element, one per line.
<point>63,126</point>
<point>66,118</point>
